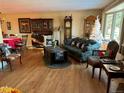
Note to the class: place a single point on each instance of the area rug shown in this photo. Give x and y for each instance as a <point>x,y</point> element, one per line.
<point>120,88</point>
<point>60,65</point>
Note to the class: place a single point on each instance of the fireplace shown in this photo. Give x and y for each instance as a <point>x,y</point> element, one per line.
<point>47,40</point>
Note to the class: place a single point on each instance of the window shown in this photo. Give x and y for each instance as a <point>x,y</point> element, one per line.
<point>108,27</point>
<point>113,25</point>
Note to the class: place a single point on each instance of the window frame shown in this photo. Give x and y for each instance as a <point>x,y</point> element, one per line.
<point>113,23</point>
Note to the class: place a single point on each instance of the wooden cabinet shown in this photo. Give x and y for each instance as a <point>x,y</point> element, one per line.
<point>36,25</point>
<point>88,25</point>
<point>47,24</point>
<point>42,26</point>
<point>67,27</point>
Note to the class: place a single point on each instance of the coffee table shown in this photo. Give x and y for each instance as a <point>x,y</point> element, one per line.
<point>55,55</point>
<point>112,72</point>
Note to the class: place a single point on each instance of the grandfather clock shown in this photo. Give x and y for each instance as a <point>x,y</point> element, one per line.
<point>67,27</point>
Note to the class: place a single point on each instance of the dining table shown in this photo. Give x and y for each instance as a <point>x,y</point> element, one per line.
<point>11,41</point>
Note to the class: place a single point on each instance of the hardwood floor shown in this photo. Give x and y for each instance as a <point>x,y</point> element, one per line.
<point>33,76</point>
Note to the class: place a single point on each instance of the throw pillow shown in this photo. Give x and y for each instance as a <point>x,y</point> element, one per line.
<point>100,54</point>
<point>73,43</point>
<point>82,46</point>
<point>5,50</point>
<point>108,53</point>
<point>78,45</point>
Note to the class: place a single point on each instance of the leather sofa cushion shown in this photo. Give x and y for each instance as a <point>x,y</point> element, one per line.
<point>68,41</point>
<point>73,50</point>
<point>83,47</point>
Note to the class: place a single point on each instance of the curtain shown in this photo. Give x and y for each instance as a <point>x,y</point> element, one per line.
<point>122,39</point>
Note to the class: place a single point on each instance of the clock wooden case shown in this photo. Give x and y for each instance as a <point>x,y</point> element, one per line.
<point>67,27</point>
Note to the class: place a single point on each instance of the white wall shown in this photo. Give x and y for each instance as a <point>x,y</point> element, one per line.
<point>58,16</point>
<point>1,37</point>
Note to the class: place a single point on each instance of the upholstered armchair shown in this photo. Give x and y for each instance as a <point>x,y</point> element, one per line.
<point>109,53</point>
<point>7,56</point>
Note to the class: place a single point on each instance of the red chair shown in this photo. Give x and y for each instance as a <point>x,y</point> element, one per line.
<point>12,35</point>
<point>22,45</point>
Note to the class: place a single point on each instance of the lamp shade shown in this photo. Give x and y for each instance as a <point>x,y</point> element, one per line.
<point>1,36</point>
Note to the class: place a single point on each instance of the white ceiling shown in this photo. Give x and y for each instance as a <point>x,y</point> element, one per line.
<point>12,6</point>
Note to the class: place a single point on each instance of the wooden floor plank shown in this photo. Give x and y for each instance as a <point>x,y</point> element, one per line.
<point>33,76</point>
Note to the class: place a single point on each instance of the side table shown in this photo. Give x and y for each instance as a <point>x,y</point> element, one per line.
<point>112,73</point>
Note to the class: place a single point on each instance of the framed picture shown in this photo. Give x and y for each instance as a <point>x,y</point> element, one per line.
<point>8,25</point>
<point>24,25</point>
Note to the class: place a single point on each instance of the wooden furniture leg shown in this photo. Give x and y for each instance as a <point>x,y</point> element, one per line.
<point>93,69</point>
<point>87,65</point>
<point>10,65</point>
<point>2,64</point>
<point>20,60</point>
<point>108,84</point>
<point>100,73</point>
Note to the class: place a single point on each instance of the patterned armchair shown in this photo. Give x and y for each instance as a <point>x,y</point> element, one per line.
<point>7,56</point>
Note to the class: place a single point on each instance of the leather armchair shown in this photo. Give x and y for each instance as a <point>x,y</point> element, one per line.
<point>109,53</point>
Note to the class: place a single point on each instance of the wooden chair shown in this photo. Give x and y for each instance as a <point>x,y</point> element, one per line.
<point>109,53</point>
<point>24,39</point>
<point>20,46</point>
<point>12,35</point>
<point>7,56</point>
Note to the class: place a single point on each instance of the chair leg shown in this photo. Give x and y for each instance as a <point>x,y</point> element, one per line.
<point>10,65</point>
<point>2,64</point>
<point>100,73</point>
<point>20,60</point>
<point>80,61</point>
<point>93,69</point>
<point>87,65</point>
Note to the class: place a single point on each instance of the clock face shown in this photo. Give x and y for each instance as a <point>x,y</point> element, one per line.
<point>67,24</point>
